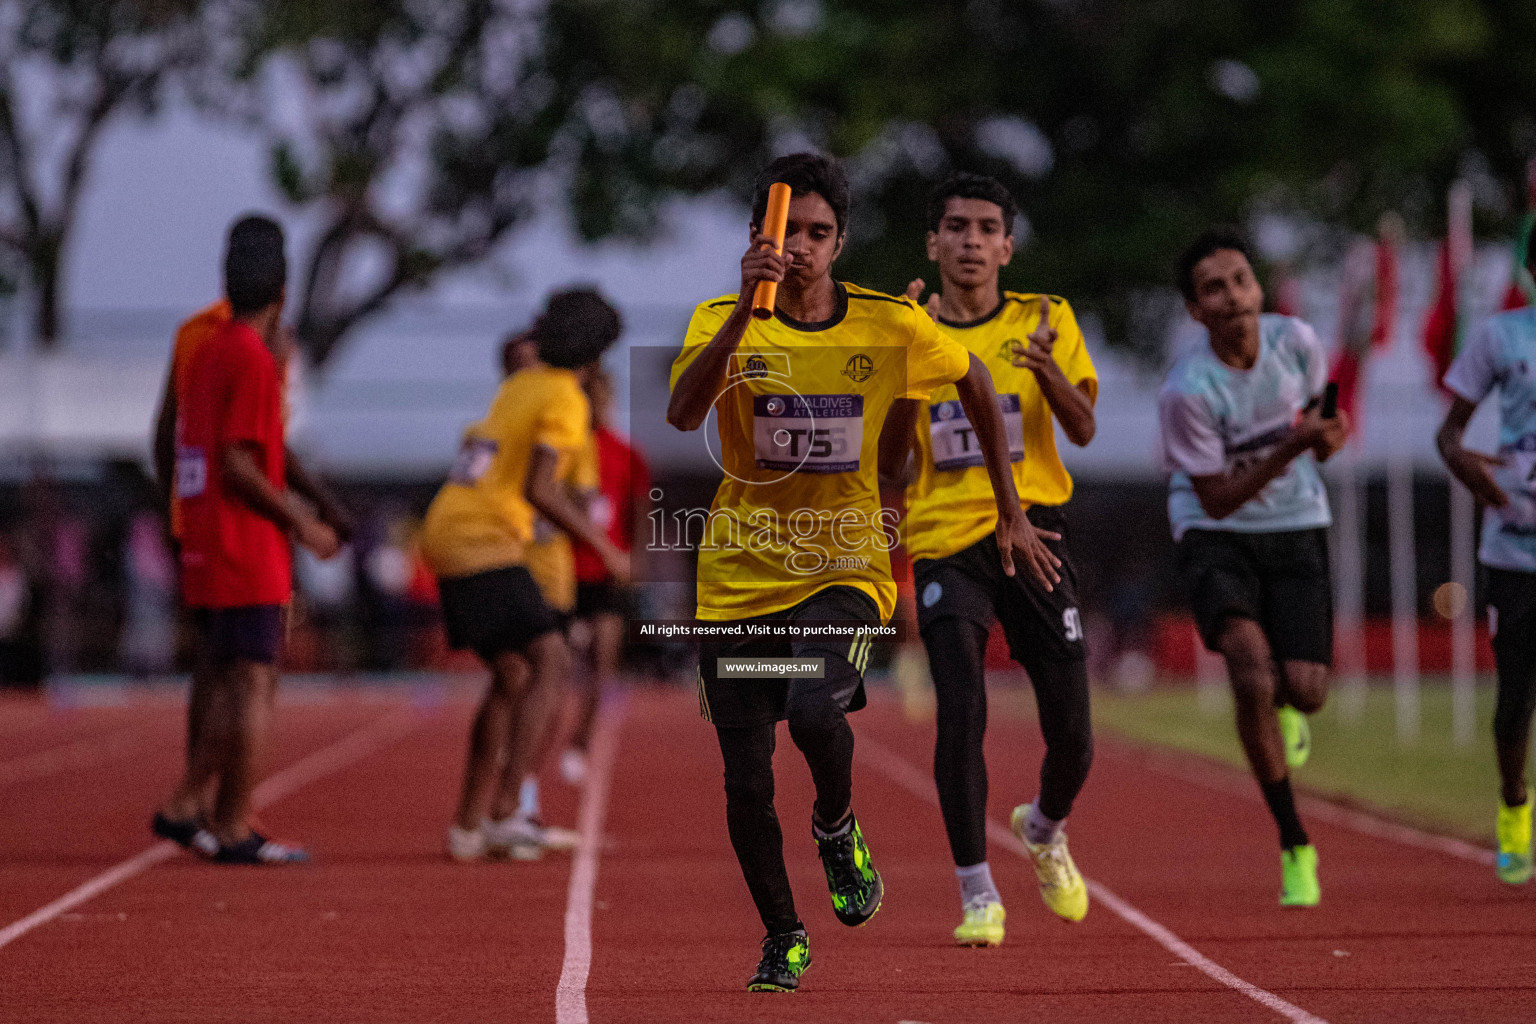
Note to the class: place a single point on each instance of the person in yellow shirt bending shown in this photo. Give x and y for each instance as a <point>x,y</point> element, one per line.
<point>511,470</point>
<point>794,540</point>
<point>1035,352</point>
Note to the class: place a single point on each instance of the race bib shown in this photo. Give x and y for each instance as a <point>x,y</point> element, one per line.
<point>809,433</point>
<point>474,459</point>
<point>191,471</point>
<point>955,444</point>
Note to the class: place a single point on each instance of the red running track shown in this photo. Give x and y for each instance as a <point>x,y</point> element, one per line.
<point>382,928</point>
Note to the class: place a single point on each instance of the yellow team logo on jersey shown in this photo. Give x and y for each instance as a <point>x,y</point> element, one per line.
<point>859,368</point>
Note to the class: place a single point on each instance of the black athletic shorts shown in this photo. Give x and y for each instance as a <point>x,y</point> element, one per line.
<point>1280,580</point>
<point>972,586</point>
<point>247,633</point>
<point>1512,614</point>
<point>605,598</point>
<point>495,611</point>
<point>735,703</point>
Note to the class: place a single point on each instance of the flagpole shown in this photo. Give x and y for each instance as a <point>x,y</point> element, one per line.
<point>1349,588</point>
<point>1459,245</point>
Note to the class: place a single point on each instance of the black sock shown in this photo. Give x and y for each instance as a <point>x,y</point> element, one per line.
<point>1282,805</point>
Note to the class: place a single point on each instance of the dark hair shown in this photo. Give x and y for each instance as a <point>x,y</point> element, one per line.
<point>1210,241</point>
<point>965,185</point>
<point>511,361</point>
<point>805,173</point>
<point>255,269</point>
<point>576,328</point>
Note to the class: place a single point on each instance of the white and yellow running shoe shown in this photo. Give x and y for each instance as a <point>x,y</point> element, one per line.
<point>1061,884</point>
<point>983,924</point>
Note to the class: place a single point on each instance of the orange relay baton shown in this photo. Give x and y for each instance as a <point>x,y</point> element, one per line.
<point>775,219</point>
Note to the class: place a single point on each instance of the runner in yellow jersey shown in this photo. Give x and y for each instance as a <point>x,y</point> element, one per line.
<point>795,535</point>
<point>511,470</point>
<point>1035,352</point>
<point>551,561</point>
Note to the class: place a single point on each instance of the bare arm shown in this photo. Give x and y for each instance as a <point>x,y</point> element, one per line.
<point>1072,406</point>
<point>1222,494</point>
<point>700,384</point>
<point>1015,534</point>
<point>552,500</point>
<point>165,441</point>
<point>1471,468</point>
<point>246,482</point>
<point>312,490</point>
<point>896,437</point>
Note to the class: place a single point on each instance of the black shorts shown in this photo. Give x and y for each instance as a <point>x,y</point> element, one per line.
<point>495,611</point>
<point>247,633</point>
<point>732,703</point>
<point>1280,580</point>
<point>1512,615</point>
<point>972,586</point>
<point>605,598</point>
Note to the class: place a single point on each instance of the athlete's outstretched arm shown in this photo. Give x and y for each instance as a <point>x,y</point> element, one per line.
<point>896,442</point>
<point>1015,534</point>
<point>1470,467</point>
<point>700,384</point>
<point>1221,494</point>
<point>551,499</point>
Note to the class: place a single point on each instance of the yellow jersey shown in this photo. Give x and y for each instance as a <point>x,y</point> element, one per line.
<point>797,436</point>
<point>480,519</point>
<point>551,559</point>
<point>950,506</point>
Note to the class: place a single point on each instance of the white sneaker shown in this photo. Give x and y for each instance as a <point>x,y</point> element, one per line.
<point>573,765</point>
<point>466,844</point>
<point>518,837</point>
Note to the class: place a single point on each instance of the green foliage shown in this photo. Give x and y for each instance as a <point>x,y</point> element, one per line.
<point>426,126</point>
<point>1123,128</point>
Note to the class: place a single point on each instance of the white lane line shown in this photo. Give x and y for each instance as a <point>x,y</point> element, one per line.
<point>908,777</point>
<point>571,993</point>
<point>84,753</point>
<point>349,749</point>
<point>1226,779</point>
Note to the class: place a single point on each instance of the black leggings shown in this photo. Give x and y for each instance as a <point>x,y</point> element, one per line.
<point>1516,661</point>
<point>956,659</point>
<point>821,731</point>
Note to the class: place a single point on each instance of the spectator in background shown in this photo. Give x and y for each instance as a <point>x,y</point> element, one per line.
<point>147,643</point>
<point>20,652</point>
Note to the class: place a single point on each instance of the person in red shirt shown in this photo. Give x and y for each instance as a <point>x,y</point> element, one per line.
<point>183,814</point>
<point>621,504</point>
<point>231,473</point>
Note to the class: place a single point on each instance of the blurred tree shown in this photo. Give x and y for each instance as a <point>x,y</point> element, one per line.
<point>417,140</point>
<point>1123,128</point>
<point>66,68</point>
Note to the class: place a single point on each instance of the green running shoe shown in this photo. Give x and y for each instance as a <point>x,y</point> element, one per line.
<point>785,957</point>
<point>1514,831</point>
<point>1297,735</point>
<point>1298,877</point>
<point>851,876</point>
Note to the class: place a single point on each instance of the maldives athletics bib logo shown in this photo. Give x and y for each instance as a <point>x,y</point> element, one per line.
<point>859,368</point>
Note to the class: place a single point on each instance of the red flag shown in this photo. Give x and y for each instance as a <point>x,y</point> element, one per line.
<point>1444,327</point>
<point>1367,309</point>
<point>1440,327</point>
